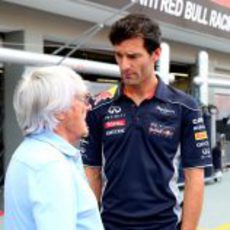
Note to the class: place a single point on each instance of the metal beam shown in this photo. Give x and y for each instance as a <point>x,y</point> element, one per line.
<point>36,59</point>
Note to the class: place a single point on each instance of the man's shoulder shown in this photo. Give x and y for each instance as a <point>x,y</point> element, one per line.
<point>177,96</point>
<point>104,98</point>
<point>35,154</point>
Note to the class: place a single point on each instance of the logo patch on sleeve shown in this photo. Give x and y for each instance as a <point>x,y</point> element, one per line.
<point>201,136</point>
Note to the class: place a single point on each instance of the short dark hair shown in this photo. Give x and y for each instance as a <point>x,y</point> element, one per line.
<point>136,25</point>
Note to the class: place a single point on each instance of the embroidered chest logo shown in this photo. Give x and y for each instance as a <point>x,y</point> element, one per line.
<point>164,111</point>
<point>161,130</point>
<point>115,123</point>
<point>114,109</point>
<point>114,112</point>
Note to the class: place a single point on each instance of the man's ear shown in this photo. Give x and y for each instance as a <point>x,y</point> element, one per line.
<point>156,54</point>
<point>61,116</point>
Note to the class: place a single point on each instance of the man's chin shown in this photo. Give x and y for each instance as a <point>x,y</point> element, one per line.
<point>130,82</point>
<point>86,133</point>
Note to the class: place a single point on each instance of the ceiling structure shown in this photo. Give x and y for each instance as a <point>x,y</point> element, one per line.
<point>82,9</point>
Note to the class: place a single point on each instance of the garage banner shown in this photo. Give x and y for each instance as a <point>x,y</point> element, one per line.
<point>206,16</point>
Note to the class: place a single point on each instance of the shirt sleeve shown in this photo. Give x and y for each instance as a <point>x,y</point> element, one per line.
<point>91,147</point>
<point>54,197</point>
<point>195,146</point>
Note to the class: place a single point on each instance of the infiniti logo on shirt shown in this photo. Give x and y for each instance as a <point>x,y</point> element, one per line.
<point>114,109</point>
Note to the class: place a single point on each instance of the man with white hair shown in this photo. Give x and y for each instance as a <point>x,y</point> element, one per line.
<point>45,185</point>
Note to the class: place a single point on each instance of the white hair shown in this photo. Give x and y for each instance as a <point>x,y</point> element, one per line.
<point>43,93</point>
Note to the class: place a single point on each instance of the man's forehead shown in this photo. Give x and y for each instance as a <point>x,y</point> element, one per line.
<point>132,52</point>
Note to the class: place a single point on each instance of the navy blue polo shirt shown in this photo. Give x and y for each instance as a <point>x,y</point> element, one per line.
<point>139,149</point>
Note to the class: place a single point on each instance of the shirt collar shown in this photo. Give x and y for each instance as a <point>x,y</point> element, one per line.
<point>161,92</point>
<point>57,142</point>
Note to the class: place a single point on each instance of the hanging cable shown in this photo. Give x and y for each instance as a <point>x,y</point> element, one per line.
<point>87,35</point>
<point>69,44</point>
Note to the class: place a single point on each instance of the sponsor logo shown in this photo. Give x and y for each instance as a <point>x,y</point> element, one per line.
<point>103,96</point>
<point>114,116</point>
<point>201,136</point>
<point>206,151</point>
<point>197,121</point>
<point>198,127</point>
<point>161,130</point>
<point>202,144</point>
<point>165,111</point>
<point>115,132</point>
<point>115,123</point>
<point>114,109</point>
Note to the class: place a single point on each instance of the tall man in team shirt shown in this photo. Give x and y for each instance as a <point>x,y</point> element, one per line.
<point>137,137</point>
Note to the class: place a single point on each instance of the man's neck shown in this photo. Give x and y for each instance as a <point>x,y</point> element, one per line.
<point>69,137</point>
<point>141,92</point>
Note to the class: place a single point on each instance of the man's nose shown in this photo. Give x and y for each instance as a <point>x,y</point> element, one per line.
<point>124,63</point>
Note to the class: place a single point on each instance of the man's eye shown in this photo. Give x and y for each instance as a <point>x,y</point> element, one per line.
<point>133,56</point>
<point>117,55</point>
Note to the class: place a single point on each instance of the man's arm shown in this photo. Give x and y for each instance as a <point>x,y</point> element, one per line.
<point>95,180</point>
<point>193,198</point>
